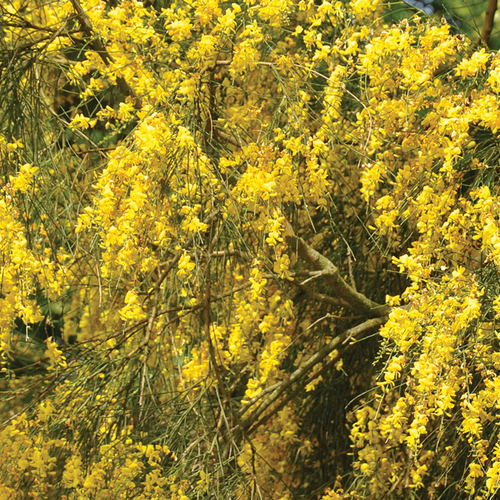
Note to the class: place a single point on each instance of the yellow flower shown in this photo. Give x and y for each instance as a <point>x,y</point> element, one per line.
<point>469,67</point>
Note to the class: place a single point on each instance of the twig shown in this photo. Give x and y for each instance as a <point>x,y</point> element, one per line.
<point>98,150</point>
<point>167,270</point>
<point>211,67</point>
<point>144,344</point>
<point>350,257</point>
<point>226,253</point>
<point>239,142</point>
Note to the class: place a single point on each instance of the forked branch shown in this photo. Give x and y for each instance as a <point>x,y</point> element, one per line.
<point>331,274</point>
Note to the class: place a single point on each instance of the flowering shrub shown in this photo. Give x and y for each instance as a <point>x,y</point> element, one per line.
<point>228,230</point>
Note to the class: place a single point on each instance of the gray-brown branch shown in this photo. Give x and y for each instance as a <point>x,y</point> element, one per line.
<point>279,388</point>
<point>331,274</point>
<point>489,21</point>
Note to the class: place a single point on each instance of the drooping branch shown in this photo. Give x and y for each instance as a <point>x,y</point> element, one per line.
<point>106,57</point>
<point>278,389</point>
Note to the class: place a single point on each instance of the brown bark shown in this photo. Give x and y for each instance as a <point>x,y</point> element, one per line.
<point>489,21</point>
